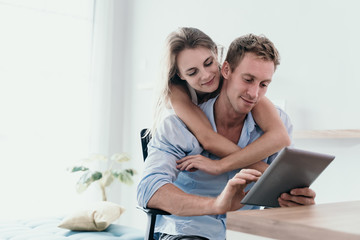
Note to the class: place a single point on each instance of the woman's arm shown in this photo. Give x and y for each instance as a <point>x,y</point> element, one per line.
<point>274,138</point>
<point>197,122</point>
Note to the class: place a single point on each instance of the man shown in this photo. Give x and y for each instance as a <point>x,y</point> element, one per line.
<point>198,201</point>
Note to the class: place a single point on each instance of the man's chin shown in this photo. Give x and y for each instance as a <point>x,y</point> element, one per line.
<point>244,110</point>
<point>248,107</point>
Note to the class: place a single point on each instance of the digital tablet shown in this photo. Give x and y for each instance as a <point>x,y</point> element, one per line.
<point>292,168</point>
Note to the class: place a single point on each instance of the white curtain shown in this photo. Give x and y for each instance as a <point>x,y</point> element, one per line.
<point>112,95</point>
<point>110,84</point>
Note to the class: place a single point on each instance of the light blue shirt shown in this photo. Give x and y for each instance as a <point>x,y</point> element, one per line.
<point>174,141</point>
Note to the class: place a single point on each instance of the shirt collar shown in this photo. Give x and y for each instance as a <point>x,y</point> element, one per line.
<point>248,128</point>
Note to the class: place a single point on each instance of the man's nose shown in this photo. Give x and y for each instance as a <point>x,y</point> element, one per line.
<point>253,91</point>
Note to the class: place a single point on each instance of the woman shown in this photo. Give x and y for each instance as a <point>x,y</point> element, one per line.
<point>192,76</point>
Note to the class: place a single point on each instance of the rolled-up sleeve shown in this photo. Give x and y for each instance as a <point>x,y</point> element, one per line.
<point>171,142</point>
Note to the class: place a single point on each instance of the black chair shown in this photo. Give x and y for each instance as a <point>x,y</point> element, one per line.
<point>151,212</point>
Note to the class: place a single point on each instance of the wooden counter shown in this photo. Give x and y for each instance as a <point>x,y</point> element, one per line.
<point>322,221</point>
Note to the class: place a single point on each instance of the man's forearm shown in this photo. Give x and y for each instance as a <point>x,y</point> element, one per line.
<point>175,201</point>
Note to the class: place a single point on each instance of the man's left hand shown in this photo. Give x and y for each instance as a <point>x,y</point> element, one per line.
<point>297,197</point>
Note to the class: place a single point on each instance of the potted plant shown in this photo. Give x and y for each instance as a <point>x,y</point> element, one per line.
<point>104,171</point>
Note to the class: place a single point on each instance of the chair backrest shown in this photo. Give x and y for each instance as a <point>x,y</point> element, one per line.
<point>145,139</point>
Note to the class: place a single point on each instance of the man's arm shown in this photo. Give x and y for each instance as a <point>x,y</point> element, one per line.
<point>170,142</point>
<point>172,199</point>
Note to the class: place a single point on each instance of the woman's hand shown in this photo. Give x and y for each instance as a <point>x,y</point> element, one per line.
<point>198,162</point>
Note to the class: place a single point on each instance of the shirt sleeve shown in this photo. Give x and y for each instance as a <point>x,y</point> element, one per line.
<point>171,142</point>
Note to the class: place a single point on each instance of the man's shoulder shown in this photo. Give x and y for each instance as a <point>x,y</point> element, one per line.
<point>286,120</point>
<point>173,134</point>
<point>283,115</point>
<point>172,121</point>
<point>173,127</point>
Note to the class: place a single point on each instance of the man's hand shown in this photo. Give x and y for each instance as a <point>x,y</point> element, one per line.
<point>297,197</point>
<point>198,162</point>
<point>233,193</point>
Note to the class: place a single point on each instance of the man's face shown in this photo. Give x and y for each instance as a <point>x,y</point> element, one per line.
<point>248,83</point>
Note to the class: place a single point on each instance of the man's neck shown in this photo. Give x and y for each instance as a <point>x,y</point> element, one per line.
<point>228,122</point>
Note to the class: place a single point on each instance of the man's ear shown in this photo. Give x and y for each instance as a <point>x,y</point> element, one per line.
<point>225,70</point>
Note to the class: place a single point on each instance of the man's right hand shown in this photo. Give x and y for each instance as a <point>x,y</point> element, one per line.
<point>231,196</point>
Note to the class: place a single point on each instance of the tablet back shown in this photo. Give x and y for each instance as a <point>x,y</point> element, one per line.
<point>292,168</point>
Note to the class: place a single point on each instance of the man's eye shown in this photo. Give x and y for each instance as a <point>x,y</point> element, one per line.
<point>264,85</point>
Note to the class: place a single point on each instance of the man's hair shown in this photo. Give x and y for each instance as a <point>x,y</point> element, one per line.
<point>261,46</point>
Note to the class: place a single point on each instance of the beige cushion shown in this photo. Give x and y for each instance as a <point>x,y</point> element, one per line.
<point>97,217</point>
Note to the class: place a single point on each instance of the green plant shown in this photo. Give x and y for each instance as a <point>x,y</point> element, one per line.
<point>103,171</point>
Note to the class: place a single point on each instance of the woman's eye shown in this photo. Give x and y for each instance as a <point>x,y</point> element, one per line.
<point>192,73</point>
<point>208,63</point>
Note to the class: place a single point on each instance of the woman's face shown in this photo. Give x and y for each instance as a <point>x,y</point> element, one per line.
<point>199,67</point>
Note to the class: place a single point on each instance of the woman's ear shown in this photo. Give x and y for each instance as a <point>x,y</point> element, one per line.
<point>179,75</point>
<point>225,70</point>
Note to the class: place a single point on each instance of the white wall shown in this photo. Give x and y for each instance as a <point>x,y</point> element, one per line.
<point>317,78</point>
<point>316,39</point>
